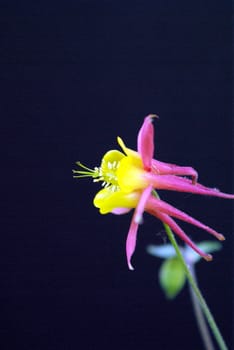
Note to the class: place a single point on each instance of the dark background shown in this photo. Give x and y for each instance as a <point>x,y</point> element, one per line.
<point>74,75</point>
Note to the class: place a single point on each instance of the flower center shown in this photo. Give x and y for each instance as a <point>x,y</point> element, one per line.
<point>107,172</point>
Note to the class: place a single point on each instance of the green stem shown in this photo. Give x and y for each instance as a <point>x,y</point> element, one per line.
<point>201,322</point>
<point>205,308</point>
<point>209,317</point>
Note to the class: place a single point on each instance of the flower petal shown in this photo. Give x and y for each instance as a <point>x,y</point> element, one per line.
<point>131,242</point>
<point>172,211</point>
<point>128,151</point>
<point>207,246</point>
<point>136,220</point>
<point>145,142</point>
<point>176,228</point>
<point>175,183</point>
<point>120,211</point>
<point>131,175</point>
<point>107,201</point>
<point>162,168</point>
<point>141,204</point>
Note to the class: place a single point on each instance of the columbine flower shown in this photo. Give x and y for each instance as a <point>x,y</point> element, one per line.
<point>129,179</point>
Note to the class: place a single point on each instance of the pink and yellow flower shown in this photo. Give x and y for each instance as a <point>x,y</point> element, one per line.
<point>129,181</point>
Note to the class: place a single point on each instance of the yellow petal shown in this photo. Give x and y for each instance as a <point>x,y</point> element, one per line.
<point>107,200</point>
<point>131,175</point>
<point>112,156</point>
<point>109,165</point>
<point>127,151</point>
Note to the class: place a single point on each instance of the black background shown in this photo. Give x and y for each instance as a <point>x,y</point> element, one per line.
<point>74,75</point>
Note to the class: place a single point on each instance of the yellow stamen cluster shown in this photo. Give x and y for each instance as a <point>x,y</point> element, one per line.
<point>122,176</point>
<point>105,173</point>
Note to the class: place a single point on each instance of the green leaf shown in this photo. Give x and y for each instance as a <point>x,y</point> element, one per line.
<point>172,277</point>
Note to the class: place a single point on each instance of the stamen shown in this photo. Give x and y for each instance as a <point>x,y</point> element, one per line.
<point>85,167</point>
<point>105,173</point>
<point>80,176</point>
<point>98,179</point>
<point>87,172</point>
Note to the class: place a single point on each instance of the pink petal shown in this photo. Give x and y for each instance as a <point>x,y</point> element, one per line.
<point>145,142</point>
<point>162,168</point>
<point>168,209</point>
<point>176,228</point>
<point>131,242</point>
<point>141,204</point>
<point>136,220</point>
<point>120,211</point>
<point>175,183</point>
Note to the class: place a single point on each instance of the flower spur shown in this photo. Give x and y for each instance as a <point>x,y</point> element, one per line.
<point>130,179</point>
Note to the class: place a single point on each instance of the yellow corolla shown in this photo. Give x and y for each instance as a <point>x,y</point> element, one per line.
<point>117,202</point>
<point>131,174</point>
<point>122,176</point>
<point>125,171</point>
